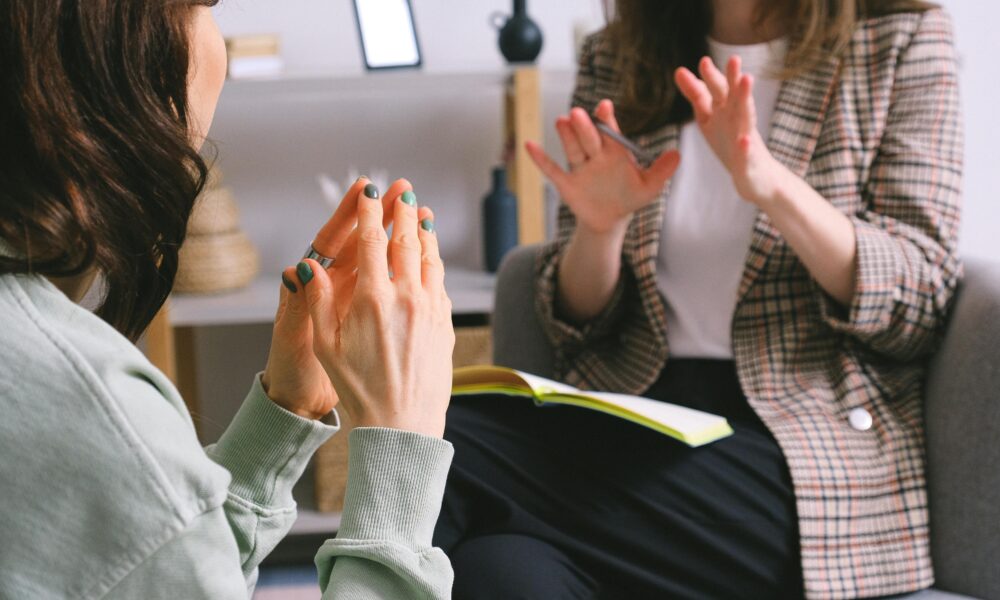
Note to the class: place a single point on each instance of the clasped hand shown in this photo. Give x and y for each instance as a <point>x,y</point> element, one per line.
<point>378,344</point>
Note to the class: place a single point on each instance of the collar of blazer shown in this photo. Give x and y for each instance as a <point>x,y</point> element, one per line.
<point>798,120</point>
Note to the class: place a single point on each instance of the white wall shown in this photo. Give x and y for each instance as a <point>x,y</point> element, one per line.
<point>976,23</point>
<point>455,35</point>
<point>442,132</point>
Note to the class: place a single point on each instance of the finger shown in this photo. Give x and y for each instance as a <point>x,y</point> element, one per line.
<point>431,265</point>
<point>696,92</point>
<point>397,189</point>
<point>663,168</point>
<point>287,287</point>
<point>331,238</point>
<point>373,268</point>
<point>319,298</point>
<point>571,144</point>
<point>404,247</point>
<point>547,166</point>
<point>714,80</point>
<point>347,259</point>
<point>343,292</point>
<point>606,114</point>
<point>590,138</point>
<point>746,105</point>
<point>734,68</point>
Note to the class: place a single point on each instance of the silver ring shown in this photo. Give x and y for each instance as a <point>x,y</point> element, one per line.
<point>324,261</point>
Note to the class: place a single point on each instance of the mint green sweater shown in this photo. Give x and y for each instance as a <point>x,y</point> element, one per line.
<point>106,493</point>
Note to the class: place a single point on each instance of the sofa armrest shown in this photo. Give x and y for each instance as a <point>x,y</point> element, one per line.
<point>518,339</point>
<point>963,429</point>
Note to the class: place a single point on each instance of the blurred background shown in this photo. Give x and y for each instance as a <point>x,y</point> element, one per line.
<point>442,127</point>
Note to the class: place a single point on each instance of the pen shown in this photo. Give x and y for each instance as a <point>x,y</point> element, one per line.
<point>641,155</point>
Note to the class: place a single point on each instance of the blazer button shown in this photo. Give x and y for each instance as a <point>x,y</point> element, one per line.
<point>860,419</point>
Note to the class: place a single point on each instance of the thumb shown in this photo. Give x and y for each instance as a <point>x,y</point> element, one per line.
<point>663,168</point>
<point>318,288</point>
<point>293,310</point>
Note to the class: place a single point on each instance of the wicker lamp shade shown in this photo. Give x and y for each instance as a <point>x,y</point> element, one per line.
<point>217,256</point>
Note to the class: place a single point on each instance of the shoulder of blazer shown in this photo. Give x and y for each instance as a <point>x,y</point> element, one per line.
<point>887,37</point>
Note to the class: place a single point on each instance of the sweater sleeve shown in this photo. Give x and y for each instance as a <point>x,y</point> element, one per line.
<point>199,563</point>
<point>266,448</point>
<point>395,485</point>
<point>907,265</point>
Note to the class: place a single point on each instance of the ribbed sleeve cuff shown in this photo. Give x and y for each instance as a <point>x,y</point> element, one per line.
<point>395,484</point>
<point>266,448</point>
<point>877,288</point>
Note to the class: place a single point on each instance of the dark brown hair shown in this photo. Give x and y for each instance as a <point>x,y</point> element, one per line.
<point>652,38</point>
<point>97,169</point>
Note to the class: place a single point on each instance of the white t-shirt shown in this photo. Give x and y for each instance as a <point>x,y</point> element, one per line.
<point>707,227</point>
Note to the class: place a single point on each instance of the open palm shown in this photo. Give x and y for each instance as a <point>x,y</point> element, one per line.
<point>727,116</point>
<point>605,184</point>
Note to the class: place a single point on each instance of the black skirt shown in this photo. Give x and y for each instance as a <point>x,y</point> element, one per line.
<point>563,502</point>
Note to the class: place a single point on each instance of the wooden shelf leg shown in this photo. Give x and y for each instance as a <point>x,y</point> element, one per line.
<point>523,122</point>
<point>172,350</point>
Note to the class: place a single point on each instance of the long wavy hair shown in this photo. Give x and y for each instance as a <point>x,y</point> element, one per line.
<point>651,38</point>
<point>97,169</point>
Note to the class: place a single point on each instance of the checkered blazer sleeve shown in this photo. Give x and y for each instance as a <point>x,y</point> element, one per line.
<point>907,267</point>
<point>566,336</point>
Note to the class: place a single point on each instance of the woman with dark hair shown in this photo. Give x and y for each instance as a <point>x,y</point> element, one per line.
<point>106,492</point>
<point>794,277</point>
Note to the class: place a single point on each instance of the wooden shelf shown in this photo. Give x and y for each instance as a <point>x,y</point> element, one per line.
<point>310,522</point>
<point>471,293</point>
<point>295,85</point>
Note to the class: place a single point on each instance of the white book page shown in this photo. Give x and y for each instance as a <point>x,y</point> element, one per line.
<point>542,385</point>
<point>685,420</point>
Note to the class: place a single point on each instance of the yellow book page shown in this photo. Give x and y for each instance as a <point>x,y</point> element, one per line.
<point>501,380</point>
<point>693,427</point>
<point>689,426</point>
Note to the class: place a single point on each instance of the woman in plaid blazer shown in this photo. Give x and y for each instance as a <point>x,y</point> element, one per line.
<point>844,294</point>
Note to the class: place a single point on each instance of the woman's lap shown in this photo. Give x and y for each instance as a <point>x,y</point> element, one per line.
<point>636,511</point>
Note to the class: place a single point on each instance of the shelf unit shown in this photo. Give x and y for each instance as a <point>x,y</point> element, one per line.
<point>471,293</point>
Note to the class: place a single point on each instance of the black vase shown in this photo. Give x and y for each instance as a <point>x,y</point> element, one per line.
<point>520,37</point>
<point>499,221</point>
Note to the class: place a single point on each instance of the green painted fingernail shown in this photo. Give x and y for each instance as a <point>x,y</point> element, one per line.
<point>305,272</point>
<point>371,191</point>
<point>288,283</point>
<point>428,225</point>
<point>409,198</point>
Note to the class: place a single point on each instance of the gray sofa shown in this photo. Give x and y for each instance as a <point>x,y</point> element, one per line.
<point>963,419</point>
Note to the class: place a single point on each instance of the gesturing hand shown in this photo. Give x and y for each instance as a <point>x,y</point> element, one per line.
<point>727,116</point>
<point>388,348</point>
<point>605,185</point>
<point>293,378</point>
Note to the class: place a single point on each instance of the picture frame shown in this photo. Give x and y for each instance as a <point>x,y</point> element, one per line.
<point>388,34</point>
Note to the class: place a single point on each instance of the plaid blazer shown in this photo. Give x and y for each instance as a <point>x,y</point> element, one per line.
<point>876,130</point>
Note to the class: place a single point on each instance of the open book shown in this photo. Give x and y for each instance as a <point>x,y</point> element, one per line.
<point>693,427</point>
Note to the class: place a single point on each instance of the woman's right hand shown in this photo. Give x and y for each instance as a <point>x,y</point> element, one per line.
<point>604,185</point>
<point>386,342</point>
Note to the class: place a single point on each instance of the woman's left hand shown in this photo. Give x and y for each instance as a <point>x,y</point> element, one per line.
<point>293,377</point>
<point>724,110</point>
